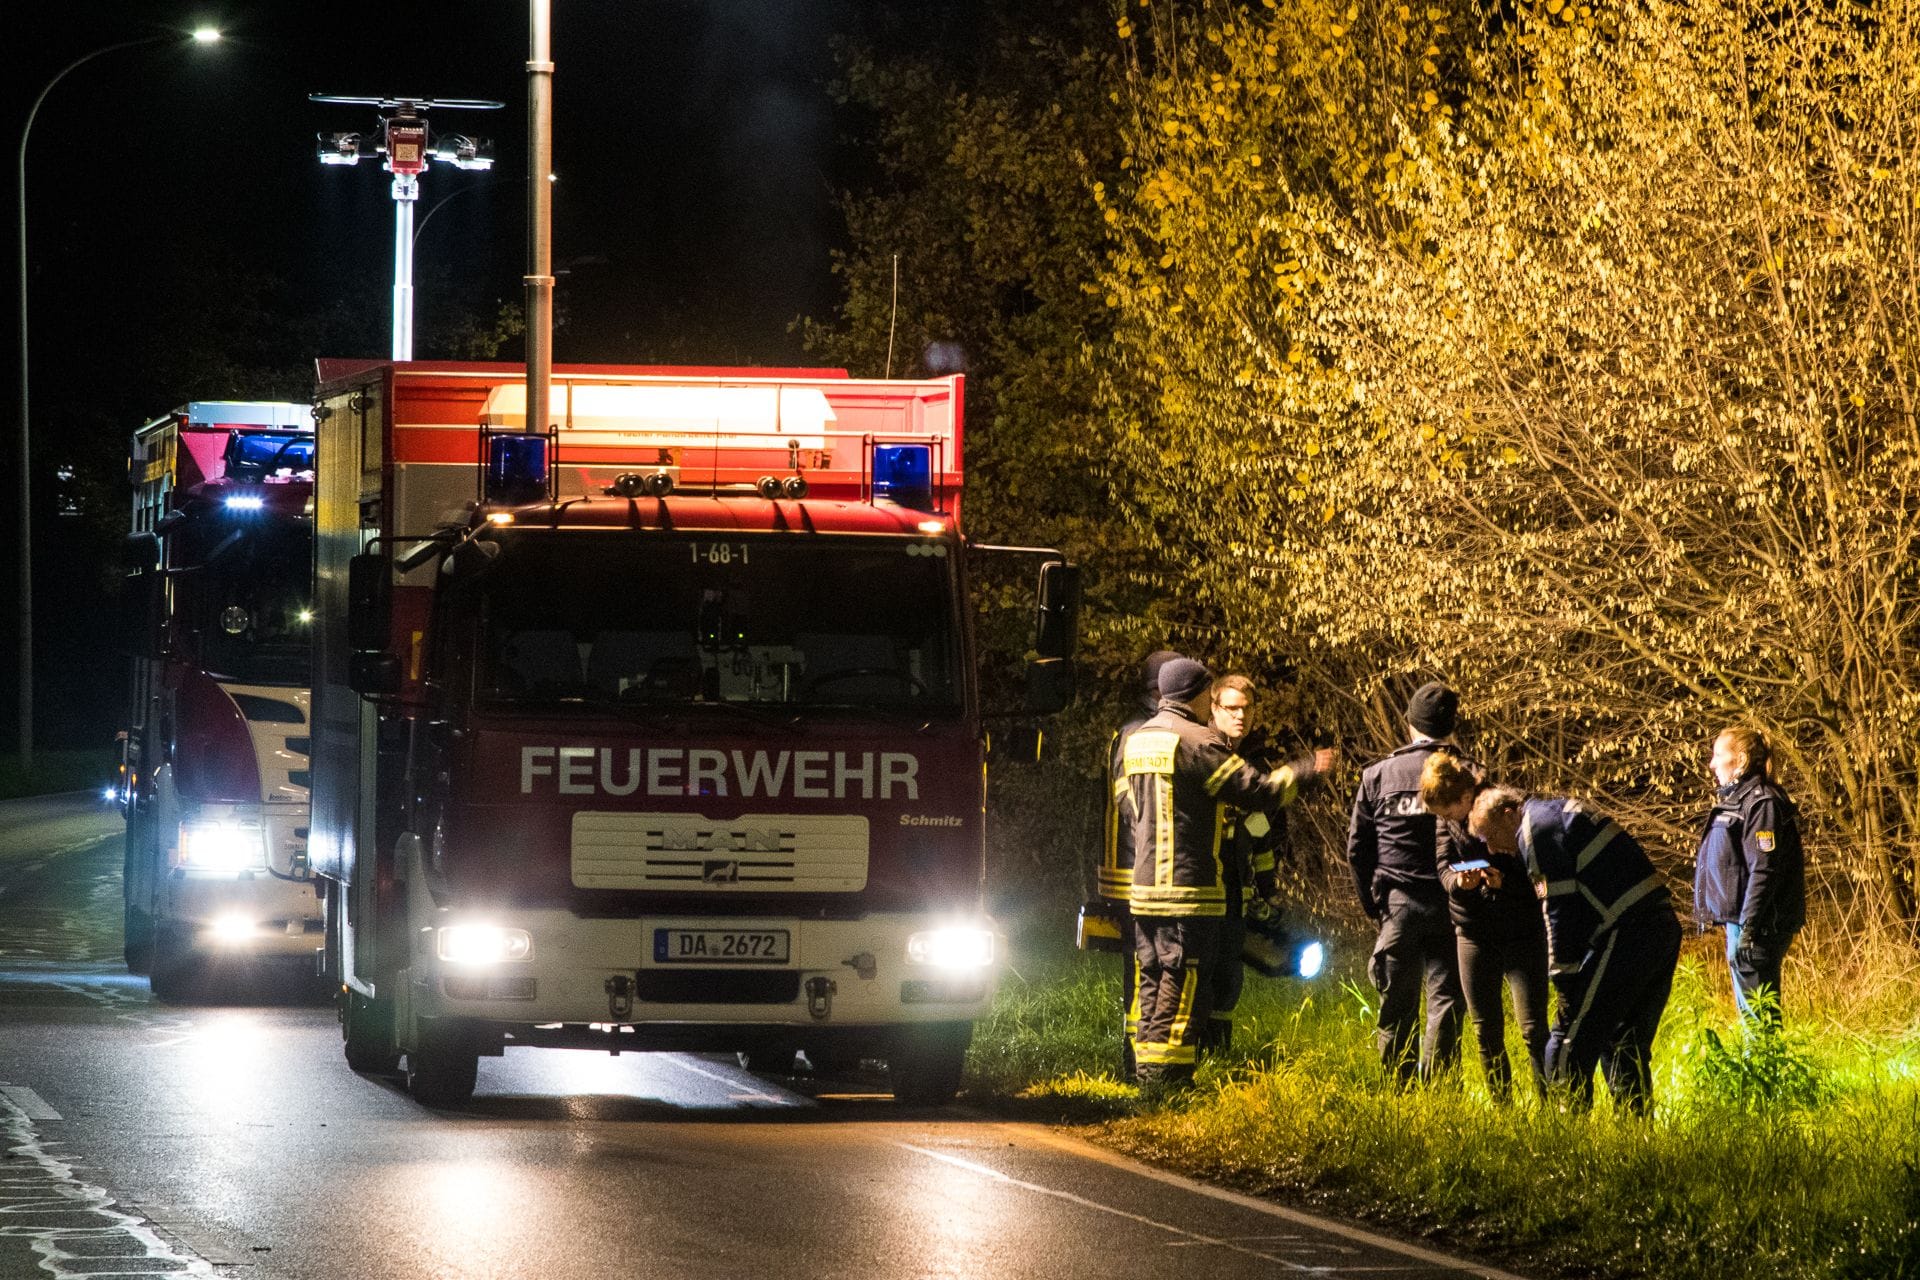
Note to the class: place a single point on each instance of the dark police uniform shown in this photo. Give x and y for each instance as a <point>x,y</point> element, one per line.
<point>1392,846</point>
<point>1251,842</point>
<point>1179,775</point>
<point>1612,943</point>
<point>1751,876</point>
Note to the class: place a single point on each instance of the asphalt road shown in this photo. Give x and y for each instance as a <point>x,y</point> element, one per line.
<point>145,1139</point>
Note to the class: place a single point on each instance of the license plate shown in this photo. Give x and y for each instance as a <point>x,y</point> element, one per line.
<point>720,946</point>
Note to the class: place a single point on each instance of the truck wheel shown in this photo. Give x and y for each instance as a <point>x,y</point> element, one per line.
<point>367,1027</point>
<point>175,972</point>
<point>926,1065</point>
<point>442,1067</point>
<point>136,933</point>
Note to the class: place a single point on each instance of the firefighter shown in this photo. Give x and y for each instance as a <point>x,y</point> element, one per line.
<point>1250,841</point>
<point>1612,938</point>
<point>1179,773</point>
<point>1749,874</point>
<point>1392,846</point>
<point>1499,936</point>
<point>1115,875</point>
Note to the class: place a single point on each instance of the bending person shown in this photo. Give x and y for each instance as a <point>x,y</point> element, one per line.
<point>1612,938</point>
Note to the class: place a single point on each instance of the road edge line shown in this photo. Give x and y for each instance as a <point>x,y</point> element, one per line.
<point>1089,1151</point>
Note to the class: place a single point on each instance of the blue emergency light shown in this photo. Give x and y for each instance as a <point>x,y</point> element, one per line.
<point>516,468</point>
<point>903,473</point>
<point>245,502</point>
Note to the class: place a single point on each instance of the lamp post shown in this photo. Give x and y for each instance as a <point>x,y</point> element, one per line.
<point>24,494</point>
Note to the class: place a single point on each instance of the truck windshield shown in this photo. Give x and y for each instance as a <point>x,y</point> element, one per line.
<point>242,585</point>
<point>613,619</point>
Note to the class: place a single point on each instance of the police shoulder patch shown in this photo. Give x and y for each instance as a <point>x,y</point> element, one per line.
<point>1765,840</point>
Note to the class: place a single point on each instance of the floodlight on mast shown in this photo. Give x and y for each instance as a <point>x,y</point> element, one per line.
<point>408,145</point>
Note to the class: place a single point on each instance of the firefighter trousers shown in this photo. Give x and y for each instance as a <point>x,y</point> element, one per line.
<point>1177,954</point>
<point>1129,995</point>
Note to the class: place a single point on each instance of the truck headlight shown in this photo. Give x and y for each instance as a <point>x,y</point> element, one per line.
<point>483,944</point>
<point>952,948</point>
<point>212,845</point>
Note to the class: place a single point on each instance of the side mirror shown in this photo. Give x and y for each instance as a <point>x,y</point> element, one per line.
<point>1016,744</point>
<point>142,596</point>
<point>373,675</point>
<point>1049,685</point>
<point>1056,628</point>
<point>369,603</point>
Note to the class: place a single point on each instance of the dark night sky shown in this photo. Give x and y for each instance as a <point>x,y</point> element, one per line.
<point>696,149</point>
<point>692,140</point>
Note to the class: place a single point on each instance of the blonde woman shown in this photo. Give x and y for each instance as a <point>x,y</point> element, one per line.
<point>1749,874</point>
<point>1497,925</point>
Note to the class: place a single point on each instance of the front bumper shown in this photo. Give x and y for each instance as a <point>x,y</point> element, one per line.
<point>839,974</point>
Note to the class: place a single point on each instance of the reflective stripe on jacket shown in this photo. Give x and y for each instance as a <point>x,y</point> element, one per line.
<point>1590,876</point>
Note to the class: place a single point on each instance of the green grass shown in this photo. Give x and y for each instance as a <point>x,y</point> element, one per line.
<point>55,771</point>
<point>1768,1156</point>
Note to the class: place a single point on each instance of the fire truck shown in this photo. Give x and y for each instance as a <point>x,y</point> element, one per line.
<point>214,761</point>
<point>660,729</point>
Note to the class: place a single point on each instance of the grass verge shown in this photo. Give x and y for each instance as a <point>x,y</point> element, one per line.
<point>55,771</point>
<point>1773,1156</point>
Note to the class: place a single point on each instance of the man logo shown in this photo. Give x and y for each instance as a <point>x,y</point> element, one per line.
<point>717,872</point>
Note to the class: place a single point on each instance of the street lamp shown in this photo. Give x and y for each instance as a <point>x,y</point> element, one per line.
<point>406,143</point>
<point>24,495</point>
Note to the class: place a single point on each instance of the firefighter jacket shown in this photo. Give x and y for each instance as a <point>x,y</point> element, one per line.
<point>1179,775</point>
<point>1255,839</point>
<point>1392,839</point>
<point>1750,870</point>
<point>1115,877</point>
<point>1591,877</point>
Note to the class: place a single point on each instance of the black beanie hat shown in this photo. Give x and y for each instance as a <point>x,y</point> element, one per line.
<point>1156,660</point>
<point>1183,679</point>
<point>1432,709</point>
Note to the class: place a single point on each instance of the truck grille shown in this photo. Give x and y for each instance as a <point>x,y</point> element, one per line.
<point>756,853</point>
<point>723,986</point>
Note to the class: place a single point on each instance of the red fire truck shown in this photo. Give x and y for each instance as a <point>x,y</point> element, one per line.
<point>214,768</point>
<point>659,730</point>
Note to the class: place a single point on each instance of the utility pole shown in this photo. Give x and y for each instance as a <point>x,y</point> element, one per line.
<point>539,216</point>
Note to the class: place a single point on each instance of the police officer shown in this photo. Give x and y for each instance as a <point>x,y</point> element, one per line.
<point>1749,874</point>
<point>1115,876</point>
<point>1392,846</point>
<point>1179,773</point>
<point>1612,938</point>
<point>1250,841</point>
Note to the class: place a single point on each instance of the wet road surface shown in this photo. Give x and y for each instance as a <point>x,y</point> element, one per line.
<point>230,1139</point>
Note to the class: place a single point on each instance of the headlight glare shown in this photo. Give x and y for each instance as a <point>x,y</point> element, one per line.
<point>483,944</point>
<point>952,948</point>
<point>222,846</point>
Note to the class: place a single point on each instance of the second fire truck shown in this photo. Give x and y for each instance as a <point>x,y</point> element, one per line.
<point>214,765</point>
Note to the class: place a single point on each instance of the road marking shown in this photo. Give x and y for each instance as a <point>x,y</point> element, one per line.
<point>1191,1237</point>
<point>729,1081</point>
<point>1360,1235</point>
<point>71,1226</point>
<point>30,1104</point>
